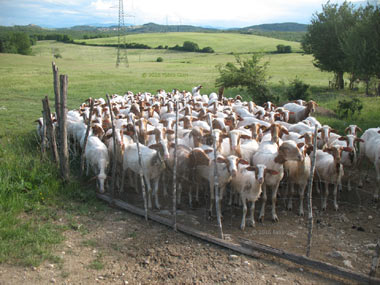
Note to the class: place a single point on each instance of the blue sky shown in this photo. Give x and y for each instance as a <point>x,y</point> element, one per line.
<point>233,13</point>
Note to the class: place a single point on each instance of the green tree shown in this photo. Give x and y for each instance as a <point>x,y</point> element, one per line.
<point>298,90</point>
<point>361,46</point>
<point>22,43</point>
<point>324,35</point>
<point>247,74</point>
<point>190,46</point>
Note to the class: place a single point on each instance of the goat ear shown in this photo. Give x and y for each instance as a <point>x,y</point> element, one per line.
<point>334,131</point>
<point>251,168</point>
<point>302,137</point>
<point>342,139</point>
<point>156,146</point>
<point>246,137</point>
<point>150,133</point>
<point>309,149</point>
<point>271,171</point>
<point>208,150</point>
<point>359,140</point>
<point>221,159</point>
<point>348,149</point>
<point>243,161</point>
<point>284,130</point>
<point>170,132</point>
<point>299,145</point>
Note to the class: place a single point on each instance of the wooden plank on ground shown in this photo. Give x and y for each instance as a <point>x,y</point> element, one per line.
<point>181,228</point>
<point>314,264</point>
<point>247,247</point>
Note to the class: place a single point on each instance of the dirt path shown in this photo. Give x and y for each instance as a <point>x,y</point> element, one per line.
<point>115,247</point>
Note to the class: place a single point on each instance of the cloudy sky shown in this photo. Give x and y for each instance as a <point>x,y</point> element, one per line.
<point>219,13</point>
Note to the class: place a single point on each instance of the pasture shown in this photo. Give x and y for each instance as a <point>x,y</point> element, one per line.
<point>31,187</point>
<point>220,42</point>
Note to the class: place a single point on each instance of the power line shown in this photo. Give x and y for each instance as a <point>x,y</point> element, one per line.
<point>121,43</point>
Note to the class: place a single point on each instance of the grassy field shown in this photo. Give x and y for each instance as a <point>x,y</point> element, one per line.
<point>220,42</point>
<point>30,191</point>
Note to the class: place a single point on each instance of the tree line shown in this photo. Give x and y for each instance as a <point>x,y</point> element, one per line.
<point>343,39</point>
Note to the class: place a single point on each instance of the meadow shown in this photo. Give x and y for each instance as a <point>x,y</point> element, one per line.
<point>220,42</point>
<point>30,190</point>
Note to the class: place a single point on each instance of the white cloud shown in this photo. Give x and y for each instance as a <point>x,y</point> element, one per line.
<point>196,12</point>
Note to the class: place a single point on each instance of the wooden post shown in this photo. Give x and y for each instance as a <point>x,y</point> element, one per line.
<point>56,94</point>
<point>64,152</point>
<point>86,137</point>
<point>175,170</point>
<point>43,139</point>
<point>49,129</point>
<point>114,150</point>
<point>140,169</point>
<point>310,194</point>
<point>216,182</point>
<point>375,260</point>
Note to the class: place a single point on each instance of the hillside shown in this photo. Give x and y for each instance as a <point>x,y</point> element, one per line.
<point>284,31</point>
<point>220,42</point>
<point>279,27</point>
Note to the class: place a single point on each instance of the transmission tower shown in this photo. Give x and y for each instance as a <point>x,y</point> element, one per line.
<point>121,43</point>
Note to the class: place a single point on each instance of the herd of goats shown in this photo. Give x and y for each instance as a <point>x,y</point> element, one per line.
<point>256,147</point>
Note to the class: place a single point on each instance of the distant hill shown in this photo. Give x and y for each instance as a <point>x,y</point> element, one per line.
<point>278,27</point>
<point>284,31</point>
<point>156,28</point>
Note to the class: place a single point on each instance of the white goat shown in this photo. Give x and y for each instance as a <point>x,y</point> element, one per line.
<point>96,156</point>
<point>273,157</point>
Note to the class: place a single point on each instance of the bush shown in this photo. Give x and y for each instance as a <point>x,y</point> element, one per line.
<point>298,90</point>
<point>348,108</point>
<point>190,46</point>
<point>16,43</point>
<point>249,75</point>
<point>159,59</point>
<point>284,49</point>
<point>207,50</point>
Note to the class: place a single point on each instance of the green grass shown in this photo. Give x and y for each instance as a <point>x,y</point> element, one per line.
<point>220,42</point>
<point>31,193</point>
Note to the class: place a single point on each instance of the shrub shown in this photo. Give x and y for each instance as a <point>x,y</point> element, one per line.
<point>298,90</point>
<point>207,50</point>
<point>190,46</point>
<point>248,74</point>
<point>159,59</point>
<point>284,49</point>
<point>348,108</point>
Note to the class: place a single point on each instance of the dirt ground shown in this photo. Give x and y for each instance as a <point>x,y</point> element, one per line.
<point>116,247</point>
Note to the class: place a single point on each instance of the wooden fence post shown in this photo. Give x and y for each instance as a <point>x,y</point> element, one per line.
<point>216,182</point>
<point>64,152</point>
<point>43,138</point>
<point>56,95</point>
<point>375,260</point>
<point>49,129</point>
<point>86,137</point>
<point>114,150</point>
<point>310,194</point>
<point>141,174</point>
<point>175,170</point>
